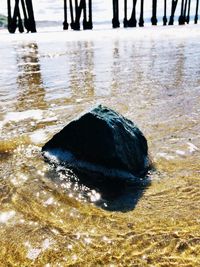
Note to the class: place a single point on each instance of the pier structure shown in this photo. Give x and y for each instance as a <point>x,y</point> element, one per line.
<point>15,20</point>
<point>21,14</point>
<point>76,9</point>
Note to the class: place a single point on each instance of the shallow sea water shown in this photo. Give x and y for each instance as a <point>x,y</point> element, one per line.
<point>151,76</point>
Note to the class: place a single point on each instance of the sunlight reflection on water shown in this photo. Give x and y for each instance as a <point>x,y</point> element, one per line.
<point>47,217</point>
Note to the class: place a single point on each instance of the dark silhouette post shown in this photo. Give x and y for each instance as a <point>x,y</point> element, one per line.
<point>115,20</point>
<point>165,13</point>
<point>188,14</point>
<point>18,15</point>
<point>84,14</point>
<point>9,14</point>
<point>15,21</point>
<point>174,5</point>
<point>185,10</point>
<point>141,20</point>
<point>76,6</point>
<point>71,14</point>
<point>65,23</point>
<point>154,12</point>
<point>132,22</point>
<point>196,14</point>
<point>76,24</point>
<point>26,22</point>
<point>181,19</point>
<point>87,20</point>
<point>31,19</point>
<point>90,14</point>
<point>125,14</point>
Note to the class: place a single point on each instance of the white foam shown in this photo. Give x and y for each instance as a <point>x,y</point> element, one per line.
<point>38,137</point>
<point>6,216</point>
<point>46,244</point>
<point>180,153</point>
<point>35,114</point>
<point>165,156</point>
<point>49,201</point>
<point>19,180</point>
<point>33,253</point>
<point>192,148</point>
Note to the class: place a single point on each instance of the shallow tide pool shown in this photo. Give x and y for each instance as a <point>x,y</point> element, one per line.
<point>151,76</point>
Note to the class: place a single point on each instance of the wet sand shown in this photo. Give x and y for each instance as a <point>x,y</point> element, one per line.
<point>149,75</point>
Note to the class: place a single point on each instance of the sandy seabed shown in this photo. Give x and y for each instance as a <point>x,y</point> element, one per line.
<point>149,75</point>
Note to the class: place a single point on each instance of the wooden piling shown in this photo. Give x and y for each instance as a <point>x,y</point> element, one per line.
<point>188,14</point>
<point>196,13</point>
<point>90,15</point>
<point>154,12</point>
<point>181,19</point>
<point>87,20</point>
<point>75,14</point>
<point>141,20</point>
<point>125,14</point>
<point>84,14</point>
<point>76,25</point>
<point>165,13</point>
<point>65,23</point>
<point>9,15</point>
<point>26,21</point>
<point>76,7</point>
<point>132,22</point>
<point>32,26</point>
<point>173,9</point>
<point>115,20</point>
<point>15,20</point>
<point>185,10</point>
<point>71,14</point>
<point>18,19</point>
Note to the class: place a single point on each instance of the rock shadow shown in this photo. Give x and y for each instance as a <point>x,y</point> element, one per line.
<point>110,194</point>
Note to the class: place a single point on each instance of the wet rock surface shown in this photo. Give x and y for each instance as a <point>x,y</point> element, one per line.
<point>101,141</point>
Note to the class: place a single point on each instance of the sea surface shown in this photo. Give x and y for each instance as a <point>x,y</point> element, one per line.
<point>151,76</point>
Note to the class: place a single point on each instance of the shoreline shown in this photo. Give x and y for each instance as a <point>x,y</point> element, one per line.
<point>55,34</point>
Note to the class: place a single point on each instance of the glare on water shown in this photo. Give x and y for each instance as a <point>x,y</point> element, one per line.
<point>47,218</point>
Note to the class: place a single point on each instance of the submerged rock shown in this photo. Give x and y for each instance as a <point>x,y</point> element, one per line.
<point>101,141</point>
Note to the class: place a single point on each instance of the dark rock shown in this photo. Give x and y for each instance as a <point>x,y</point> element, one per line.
<point>103,142</point>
